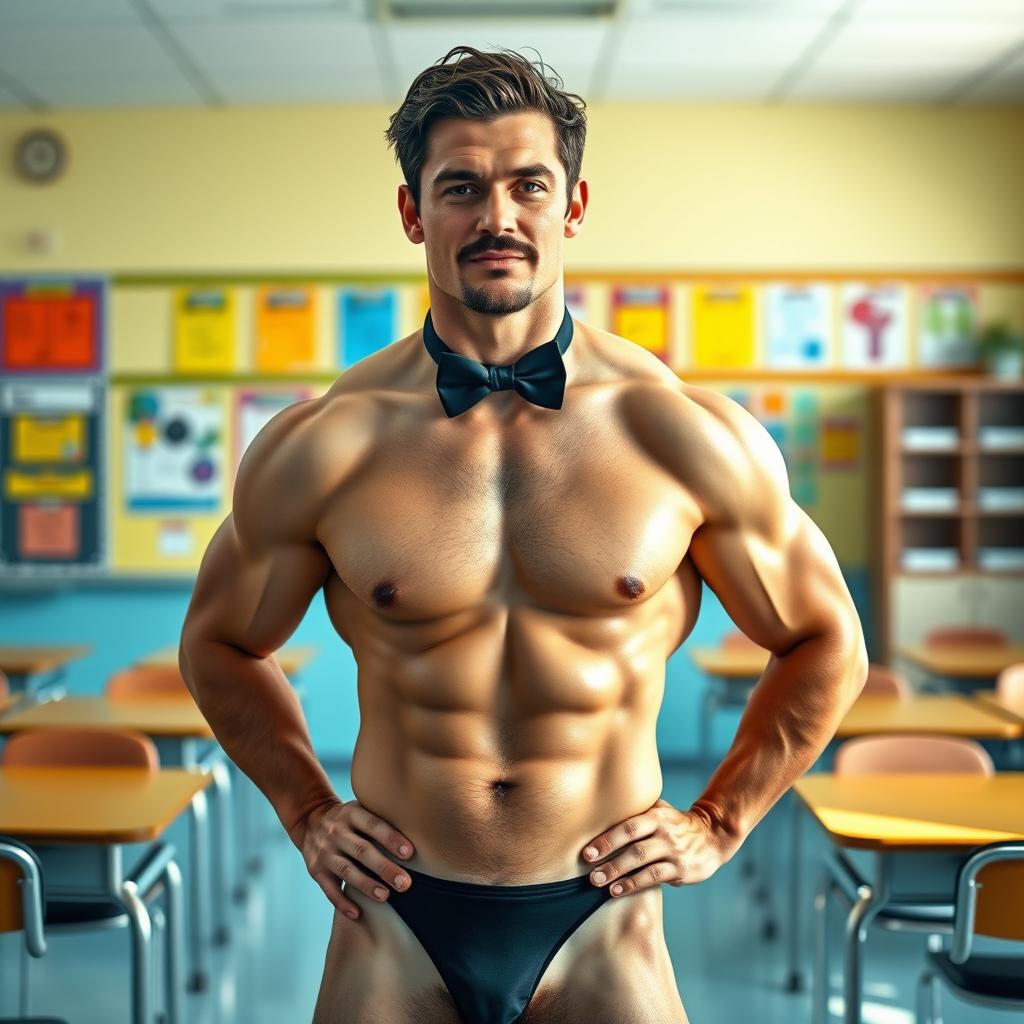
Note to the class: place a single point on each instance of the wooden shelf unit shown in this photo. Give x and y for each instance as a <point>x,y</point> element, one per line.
<point>966,466</point>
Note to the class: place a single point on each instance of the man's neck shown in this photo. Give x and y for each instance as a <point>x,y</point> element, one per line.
<point>498,340</point>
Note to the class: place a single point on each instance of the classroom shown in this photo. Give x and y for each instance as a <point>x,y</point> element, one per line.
<point>681,684</point>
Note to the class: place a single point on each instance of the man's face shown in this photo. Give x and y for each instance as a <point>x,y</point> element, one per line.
<point>486,187</point>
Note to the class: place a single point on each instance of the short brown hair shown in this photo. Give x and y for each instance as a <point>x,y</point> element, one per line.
<point>482,86</point>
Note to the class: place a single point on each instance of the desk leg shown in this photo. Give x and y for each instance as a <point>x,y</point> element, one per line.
<point>707,709</point>
<point>225,844</point>
<point>794,976</point>
<point>142,935</point>
<point>819,994</point>
<point>199,892</point>
<point>174,937</point>
<point>870,900</point>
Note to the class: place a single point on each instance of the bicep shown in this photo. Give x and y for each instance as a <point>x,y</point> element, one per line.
<point>769,563</point>
<point>250,597</point>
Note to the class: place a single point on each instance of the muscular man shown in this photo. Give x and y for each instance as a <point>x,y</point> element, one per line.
<point>510,513</point>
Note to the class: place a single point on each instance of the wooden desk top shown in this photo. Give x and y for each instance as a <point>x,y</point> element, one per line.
<point>916,812</point>
<point>291,659</point>
<point>976,661</point>
<point>944,715</point>
<point>1013,709</point>
<point>30,661</point>
<point>166,717</point>
<point>730,662</point>
<point>94,805</point>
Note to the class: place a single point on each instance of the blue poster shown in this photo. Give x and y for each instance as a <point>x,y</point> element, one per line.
<point>367,321</point>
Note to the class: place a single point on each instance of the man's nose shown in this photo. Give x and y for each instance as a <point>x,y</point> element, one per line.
<point>497,213</point>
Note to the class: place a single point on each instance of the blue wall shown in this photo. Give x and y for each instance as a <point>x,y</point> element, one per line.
<point>125,623</point>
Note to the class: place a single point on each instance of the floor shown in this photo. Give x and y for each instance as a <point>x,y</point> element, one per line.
<point>270,973</point>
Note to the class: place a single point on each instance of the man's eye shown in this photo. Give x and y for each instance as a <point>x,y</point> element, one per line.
<point>537,184</point>
<point>454,187</point>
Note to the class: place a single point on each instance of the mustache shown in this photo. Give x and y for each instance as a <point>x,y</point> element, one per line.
<point>499,245</point>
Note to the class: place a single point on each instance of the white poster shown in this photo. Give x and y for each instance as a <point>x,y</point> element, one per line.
<point>797,325</point>
<point>174,450</point>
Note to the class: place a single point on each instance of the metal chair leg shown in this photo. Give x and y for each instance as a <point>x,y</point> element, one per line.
<point>820,980</point>
<point>142,934</point>
<point>26,982</point>
<point>928,1008</point>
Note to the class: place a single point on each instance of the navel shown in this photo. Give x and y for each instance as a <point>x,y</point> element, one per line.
<point>629,586</point>
<point>384,594</point>
<point>502,787</point>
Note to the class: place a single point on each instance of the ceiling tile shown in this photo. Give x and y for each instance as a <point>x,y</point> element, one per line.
<point>60,13</point>
<point>88,89</point>
<point>299,85</point>
<point>277,43</point>
<point>37,51</point>
<point>712,41</point>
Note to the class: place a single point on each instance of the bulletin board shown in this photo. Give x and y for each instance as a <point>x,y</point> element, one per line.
<point>137,395</point>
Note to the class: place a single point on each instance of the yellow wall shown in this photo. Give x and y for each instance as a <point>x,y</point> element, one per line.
<point>672,187</point>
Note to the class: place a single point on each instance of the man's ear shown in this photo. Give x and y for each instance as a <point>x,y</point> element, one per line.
<point>410,215</point>
<point>577,208</point>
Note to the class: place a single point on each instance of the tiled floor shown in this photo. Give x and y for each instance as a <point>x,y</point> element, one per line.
<point>270,973</point>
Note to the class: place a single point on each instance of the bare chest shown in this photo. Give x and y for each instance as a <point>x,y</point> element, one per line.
<point>566,513</point>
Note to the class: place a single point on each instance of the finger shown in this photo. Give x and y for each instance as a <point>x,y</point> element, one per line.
<point>643,851</point>
<point>387,835</point>
<point>647,878</point>
<point>625,832</point>
<point>367,855</point>
<point>353,875</point>
<point>332,890</point>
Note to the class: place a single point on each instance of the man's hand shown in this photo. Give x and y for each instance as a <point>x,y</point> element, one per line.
<point>674,846</point>
<point>336,845</point>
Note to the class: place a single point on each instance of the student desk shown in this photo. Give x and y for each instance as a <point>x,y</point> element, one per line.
<point>79,819</point>
<point>177,727</point>
<point>250,800</point>
<point>22,665</point>
<point>936,715</point>
<point>731,672</point>
<point>918,830</point>
<point>975,664</point>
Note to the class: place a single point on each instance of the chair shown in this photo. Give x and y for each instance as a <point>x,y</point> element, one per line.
<point>872,755</point>
<point>1010,682</point>
<point>84,747</point>
<point>960,636</point>
<point>147,681</point>
<point>883,681</point>
<point>21,909</point>
<point>989,901</point>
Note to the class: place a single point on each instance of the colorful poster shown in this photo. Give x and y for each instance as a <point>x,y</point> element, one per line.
<point>641,314</point>
<point>173,450</point>
<point>840,442</point>
<point>285,340</point>
<point>797,325</point>
<point>946,325</point>
<point>204,330</point>
<point>51,516</point>
<point>51,325</point>
<point>254,409</point>
<point>874,319</point>
<point>367,321</point>
<point>723,326</point>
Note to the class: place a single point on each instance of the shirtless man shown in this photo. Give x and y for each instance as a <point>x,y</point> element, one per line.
<point>511,570</point>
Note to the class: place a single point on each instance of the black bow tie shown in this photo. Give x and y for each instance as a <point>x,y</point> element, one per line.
<point>539,376</point>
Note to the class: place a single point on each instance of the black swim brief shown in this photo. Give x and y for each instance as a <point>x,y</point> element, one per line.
<point>492,943</point>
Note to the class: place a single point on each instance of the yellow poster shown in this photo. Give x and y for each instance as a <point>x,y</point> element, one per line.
<point>285,329</point>
<point>204,330</point>
<point>641,315</point>
<point>723,326</point>
<point>48,439</point>
<point>22,486</point>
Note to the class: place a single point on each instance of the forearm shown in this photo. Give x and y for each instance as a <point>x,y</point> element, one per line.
<point>792,714</point>
<point>256,716</point>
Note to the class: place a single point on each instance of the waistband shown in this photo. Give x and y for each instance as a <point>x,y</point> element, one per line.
<point>576,884</point>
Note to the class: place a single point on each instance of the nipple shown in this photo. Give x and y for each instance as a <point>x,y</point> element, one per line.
<point>384,594</point>
<point>629,586</point>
